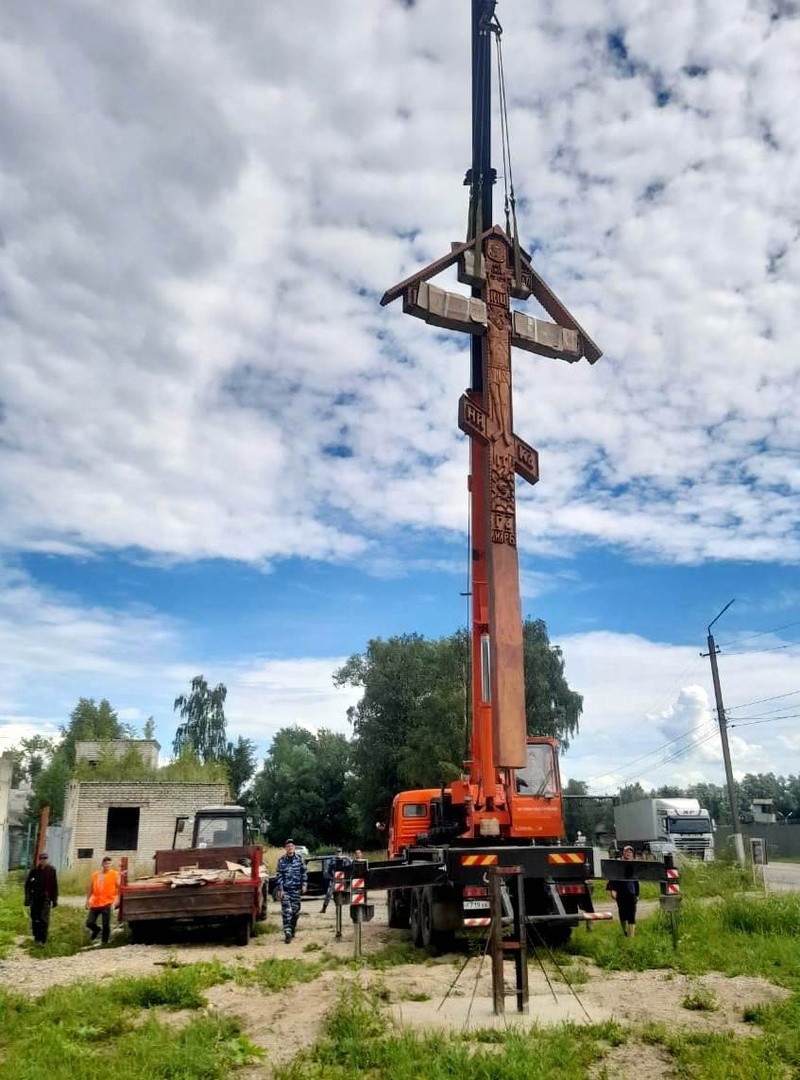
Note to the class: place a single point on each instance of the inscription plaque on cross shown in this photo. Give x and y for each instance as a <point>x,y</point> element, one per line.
<point>487,416</point>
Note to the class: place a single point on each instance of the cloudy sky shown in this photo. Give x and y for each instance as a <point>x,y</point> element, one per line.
<point>218,454</point>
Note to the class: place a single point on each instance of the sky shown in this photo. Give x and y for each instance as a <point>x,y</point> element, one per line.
<point>220,455</point>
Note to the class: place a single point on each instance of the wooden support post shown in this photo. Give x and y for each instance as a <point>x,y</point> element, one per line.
<point>517,945</point>
<point>41,835</point>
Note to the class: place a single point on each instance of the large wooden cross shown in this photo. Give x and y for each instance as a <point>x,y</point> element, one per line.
<point>486,415</point>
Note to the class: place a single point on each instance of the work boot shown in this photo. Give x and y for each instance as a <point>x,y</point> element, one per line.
<point>324,907</point>
<point>287,937</point>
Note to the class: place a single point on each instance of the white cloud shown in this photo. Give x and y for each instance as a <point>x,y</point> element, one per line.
<point>648,713</point>
<point>56,649</point>
<point>198,213</point>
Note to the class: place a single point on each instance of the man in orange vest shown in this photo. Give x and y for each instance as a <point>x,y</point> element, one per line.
<point>101,896</point>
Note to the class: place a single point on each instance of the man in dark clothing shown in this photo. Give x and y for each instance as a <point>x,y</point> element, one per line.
<point>339,861</point>
<point>41,893</point>
<point>626,893</point>
<point>292,878</point>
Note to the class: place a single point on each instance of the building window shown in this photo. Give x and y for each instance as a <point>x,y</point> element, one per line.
<point>122,828</point>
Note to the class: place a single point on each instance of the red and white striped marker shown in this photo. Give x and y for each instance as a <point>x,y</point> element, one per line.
<point>358,891</point>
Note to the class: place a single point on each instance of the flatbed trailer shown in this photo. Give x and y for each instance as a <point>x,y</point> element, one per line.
<point>153,905</point>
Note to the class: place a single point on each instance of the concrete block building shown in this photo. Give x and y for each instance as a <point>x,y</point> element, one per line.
<point>134,819</point>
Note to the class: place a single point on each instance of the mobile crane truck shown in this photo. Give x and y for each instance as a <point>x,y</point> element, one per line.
<point>506,809</point>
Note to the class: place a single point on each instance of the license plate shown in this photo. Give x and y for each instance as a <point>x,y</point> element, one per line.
<point>475,905</point>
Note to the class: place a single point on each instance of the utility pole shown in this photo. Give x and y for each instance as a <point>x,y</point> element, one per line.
<point>738,842</point>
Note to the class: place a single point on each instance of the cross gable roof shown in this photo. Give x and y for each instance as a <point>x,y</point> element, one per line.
<point>539,288</point>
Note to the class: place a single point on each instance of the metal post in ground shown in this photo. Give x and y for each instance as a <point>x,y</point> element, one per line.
<point>520,940</point>
<point>496,939</point>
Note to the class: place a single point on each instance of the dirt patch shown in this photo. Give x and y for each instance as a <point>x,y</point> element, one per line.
<point>635,1059</point>
<point>629,997</point>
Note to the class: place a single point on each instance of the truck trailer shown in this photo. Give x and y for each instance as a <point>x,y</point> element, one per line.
<point>664,826</point>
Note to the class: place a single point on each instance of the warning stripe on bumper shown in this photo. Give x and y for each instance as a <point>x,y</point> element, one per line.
<point>479,860</point>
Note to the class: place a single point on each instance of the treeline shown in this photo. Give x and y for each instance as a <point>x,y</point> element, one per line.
<point>409,729</point>
<point>589,816</point>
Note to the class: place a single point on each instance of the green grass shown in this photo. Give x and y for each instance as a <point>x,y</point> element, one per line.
<point>14,919</point>
<point>358,1041</point>
<point>700,999</point>
<point>721,878</point>
<point>739,936</point>
<point>66,937</point>
<point>84,1031</point>
<point>771,1054</point>
<point>272,976</point>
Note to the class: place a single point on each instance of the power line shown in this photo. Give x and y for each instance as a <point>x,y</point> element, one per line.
<point>684,750</point>
<point>765,720</point>
<point>665,697</point>
<point>772,648</point>
<point>762,633</point>
<point>772,714</point>
<point>761,701</point>
<point>626,769</point>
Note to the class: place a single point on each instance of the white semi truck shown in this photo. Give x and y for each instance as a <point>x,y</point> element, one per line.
<point>665,826</point>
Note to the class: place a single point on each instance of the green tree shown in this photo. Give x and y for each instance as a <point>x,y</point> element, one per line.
<point>714,798</point>
<point>766,786</point>
<point>149,731</point>
<point>203,713</point>
<point>632,792</point>
<point>301,790</point>
<point>240,761</point>
<point>89,721</point>
<point>411,725</point>
<point>584,813</point>
<point>551,707</point>
<point>29,758</point>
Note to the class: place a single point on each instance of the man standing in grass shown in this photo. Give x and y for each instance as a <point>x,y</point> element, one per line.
<point>626,893</point>
<point>41,893</point>
<point>292,878</point>
<point>101,896</point>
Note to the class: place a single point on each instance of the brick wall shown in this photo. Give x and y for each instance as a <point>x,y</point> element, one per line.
<point>159,804</point>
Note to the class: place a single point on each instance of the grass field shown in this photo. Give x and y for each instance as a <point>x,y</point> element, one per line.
<point>82,1031</point>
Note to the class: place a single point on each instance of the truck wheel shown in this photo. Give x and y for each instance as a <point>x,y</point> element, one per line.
<point>140,933</point>
<point>397,901</point>
<point>426,932</point>
<point>242,935</point>
<point>414,918</point>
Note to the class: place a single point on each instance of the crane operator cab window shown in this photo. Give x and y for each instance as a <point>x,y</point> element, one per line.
<point>540,776</point>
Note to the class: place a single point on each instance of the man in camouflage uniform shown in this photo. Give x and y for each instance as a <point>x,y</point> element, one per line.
<point>292,877</point>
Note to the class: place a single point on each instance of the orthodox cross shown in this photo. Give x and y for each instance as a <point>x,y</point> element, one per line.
<point>499,270</point>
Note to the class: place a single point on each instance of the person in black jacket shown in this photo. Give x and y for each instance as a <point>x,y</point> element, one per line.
<point>626,892</point>
<point>41,893</point>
